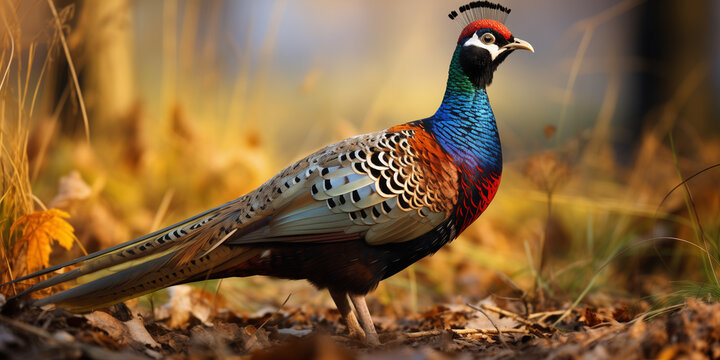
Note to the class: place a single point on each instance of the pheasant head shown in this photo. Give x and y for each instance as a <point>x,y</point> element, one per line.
<point>484,42</point>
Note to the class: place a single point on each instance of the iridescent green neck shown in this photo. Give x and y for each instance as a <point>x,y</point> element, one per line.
<point>458,82</point>
<point>465,124</point>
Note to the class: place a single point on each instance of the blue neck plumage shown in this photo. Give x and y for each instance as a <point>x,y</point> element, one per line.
<point>465,125</point>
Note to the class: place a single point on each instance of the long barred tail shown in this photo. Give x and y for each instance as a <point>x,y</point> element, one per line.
<point>146,264</point>
<point>147,277</point>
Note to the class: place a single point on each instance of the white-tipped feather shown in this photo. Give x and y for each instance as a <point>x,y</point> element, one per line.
<point>342,172</point>
<point>370,200</point>
<point>349,187</point>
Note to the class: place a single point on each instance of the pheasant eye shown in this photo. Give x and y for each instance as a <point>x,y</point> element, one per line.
<point>487,38</point>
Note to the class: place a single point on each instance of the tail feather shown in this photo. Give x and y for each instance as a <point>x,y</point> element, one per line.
<point>146,278</point>
<point>82,295</point>
<point>149,248</point>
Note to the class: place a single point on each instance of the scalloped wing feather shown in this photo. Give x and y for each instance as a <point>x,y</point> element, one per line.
<point>378,187</point>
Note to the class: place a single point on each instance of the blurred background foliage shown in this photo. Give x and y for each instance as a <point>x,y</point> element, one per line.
<point>193,103</point>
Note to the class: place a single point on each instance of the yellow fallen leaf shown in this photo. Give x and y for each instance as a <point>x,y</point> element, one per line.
<point>39,229</point>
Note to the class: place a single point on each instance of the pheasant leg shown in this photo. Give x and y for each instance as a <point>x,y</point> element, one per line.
<point>366,321</point>
<point>343,305</point>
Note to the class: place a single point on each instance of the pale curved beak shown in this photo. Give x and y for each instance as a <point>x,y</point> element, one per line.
<point>519,45</point>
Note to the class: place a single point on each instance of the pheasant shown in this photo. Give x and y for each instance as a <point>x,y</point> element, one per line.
<point>345,217</point>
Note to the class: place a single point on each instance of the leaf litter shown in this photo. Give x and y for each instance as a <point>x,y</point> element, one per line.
<point>443,332</point>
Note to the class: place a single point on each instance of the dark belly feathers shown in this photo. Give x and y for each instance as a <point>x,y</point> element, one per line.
<point>348,266</point>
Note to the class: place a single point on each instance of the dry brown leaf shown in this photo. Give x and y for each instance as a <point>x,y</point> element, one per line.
<point>186,301</point>
<point>71,190</point>
<point>104,341</point>
<point>126,332</point>
<point>39,229</point>
<point>112,326</point>
<point>139,333</point>
<point>591,317</point>
<point>622,314</point>
<point>255,339</point>
<point>175,340</point>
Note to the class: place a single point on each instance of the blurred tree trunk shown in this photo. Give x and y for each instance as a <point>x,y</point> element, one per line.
<point>103,33</point>
<point>99,36</point>
<point>675,96</point>
<point>676,41</point>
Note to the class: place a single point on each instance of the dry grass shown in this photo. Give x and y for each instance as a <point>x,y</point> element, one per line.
<point>17,197</point>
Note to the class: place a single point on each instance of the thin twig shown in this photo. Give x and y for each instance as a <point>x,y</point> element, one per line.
<point>510,314</point>
<point>491,322</point>
<point>418,334</point>
<point>599,335</point>
<point>542,316</point>
<point>282,306</point>
<point>535,328</point>
<point>73,73</point>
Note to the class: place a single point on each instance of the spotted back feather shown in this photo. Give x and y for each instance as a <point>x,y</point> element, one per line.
<point>378,187</point>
